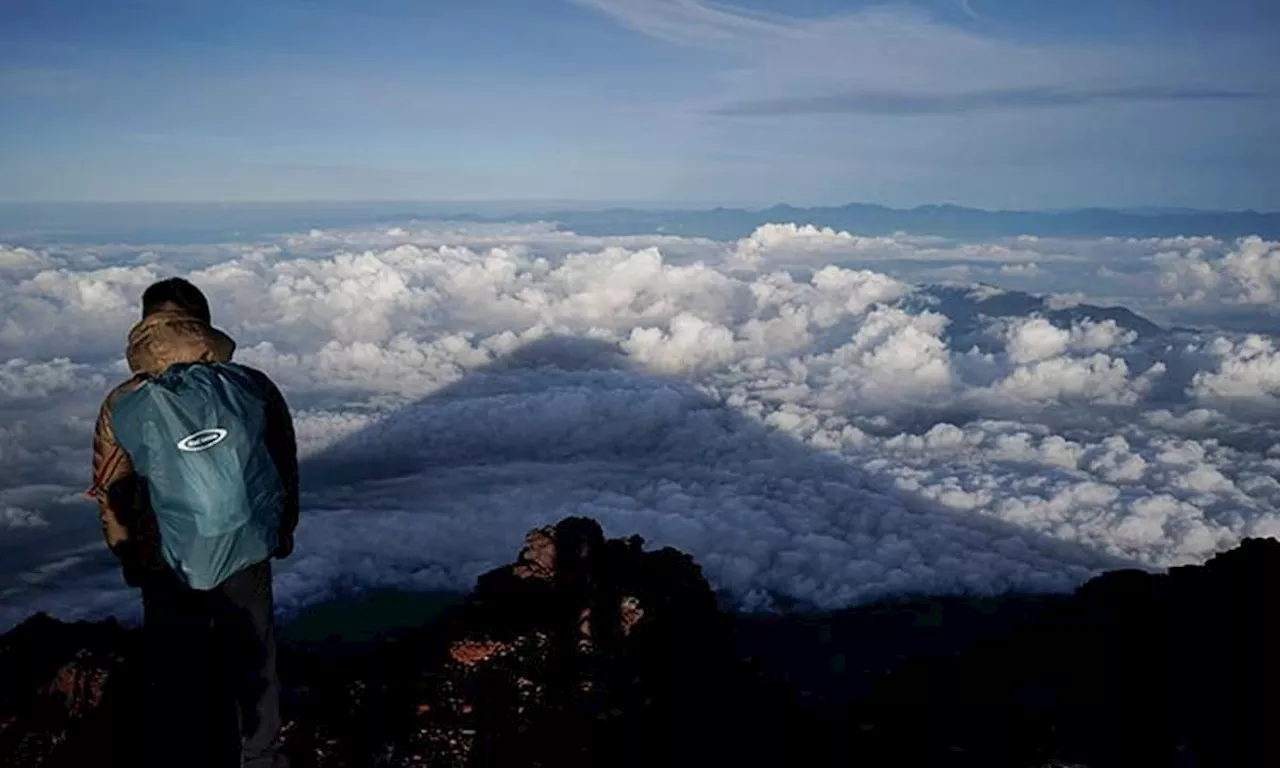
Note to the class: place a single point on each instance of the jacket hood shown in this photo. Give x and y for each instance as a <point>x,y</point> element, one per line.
<point>172,336</point>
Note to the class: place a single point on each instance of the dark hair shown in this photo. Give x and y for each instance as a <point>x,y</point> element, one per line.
<point>175,291</point>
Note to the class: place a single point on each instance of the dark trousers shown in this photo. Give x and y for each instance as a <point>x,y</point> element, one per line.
<point>212,694</point>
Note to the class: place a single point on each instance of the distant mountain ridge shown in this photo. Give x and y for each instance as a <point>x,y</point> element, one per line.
<point>34,224</point>
<point>942,220</point>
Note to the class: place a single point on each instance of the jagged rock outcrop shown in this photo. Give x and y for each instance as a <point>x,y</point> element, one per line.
<point>586,651</point>
<point>64,692</point>
<point>592,651</point>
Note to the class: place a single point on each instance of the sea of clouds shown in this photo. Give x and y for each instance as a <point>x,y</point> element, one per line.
<point>821,419</point>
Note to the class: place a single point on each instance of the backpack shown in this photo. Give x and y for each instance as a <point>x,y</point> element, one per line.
<point>197,434</point>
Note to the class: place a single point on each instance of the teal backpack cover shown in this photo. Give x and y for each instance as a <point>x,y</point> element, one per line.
<point>197,435</point>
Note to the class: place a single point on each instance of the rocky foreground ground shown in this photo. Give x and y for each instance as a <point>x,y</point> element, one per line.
<point>594,651</point>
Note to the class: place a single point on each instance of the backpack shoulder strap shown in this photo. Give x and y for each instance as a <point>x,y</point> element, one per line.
<point>116,455</point>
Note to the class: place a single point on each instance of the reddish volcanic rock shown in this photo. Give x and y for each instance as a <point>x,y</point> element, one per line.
<point>538,558</point>
<point>471,652</point>
<point>62,684</point>
<point>562,658</point>
<point>79,684</point>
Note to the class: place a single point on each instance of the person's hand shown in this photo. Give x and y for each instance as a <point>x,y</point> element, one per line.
<point>131,566</point>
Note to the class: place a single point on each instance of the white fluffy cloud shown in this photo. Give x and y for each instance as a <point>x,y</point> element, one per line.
<point>809,426</point>
<point>1034,338</point>
<point>23,380</point>
<point>22,261</point>
<point>781,244</point>
<point>1247,370</point>
<point>1247,274</point>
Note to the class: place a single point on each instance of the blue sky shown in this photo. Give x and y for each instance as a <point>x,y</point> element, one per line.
<point>993,103</point>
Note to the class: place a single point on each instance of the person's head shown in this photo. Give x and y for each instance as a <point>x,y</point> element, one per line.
<point>175,293</point>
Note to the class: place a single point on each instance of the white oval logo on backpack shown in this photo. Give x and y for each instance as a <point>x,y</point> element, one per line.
<point>202,440</point>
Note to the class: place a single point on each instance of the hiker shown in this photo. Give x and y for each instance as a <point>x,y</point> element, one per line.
<point>196,477</point>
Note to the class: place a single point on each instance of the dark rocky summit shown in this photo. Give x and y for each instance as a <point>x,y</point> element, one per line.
<point>586,651</point>
<point>593,651</point>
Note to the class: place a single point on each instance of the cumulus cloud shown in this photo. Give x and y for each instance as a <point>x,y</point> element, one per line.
<point>1098,378</point>
<point>1247,274</point>
<point>794,409</point>
<point>1247,370</point>
<point>22,261</point>
<point>781,244</point>
<point>23,380</point>
<point>1052,363</point>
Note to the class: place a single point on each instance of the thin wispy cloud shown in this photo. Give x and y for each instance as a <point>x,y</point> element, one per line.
<point>690,22</point>
<point>905,103</point>
<point>898,59</point>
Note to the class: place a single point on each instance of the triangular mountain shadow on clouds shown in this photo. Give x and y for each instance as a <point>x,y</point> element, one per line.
<point>441,490</point>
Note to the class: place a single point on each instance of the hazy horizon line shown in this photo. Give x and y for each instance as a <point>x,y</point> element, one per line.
<point>1154,209</point>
